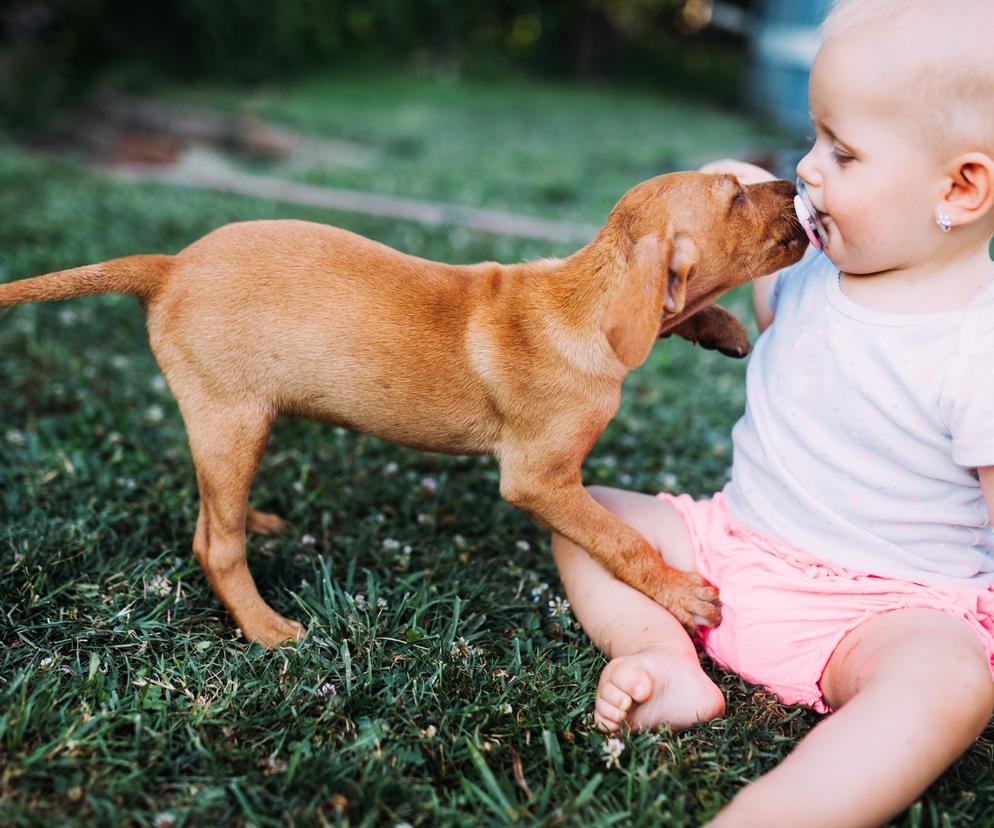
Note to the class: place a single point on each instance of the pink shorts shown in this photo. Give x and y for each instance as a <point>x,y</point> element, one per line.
<point>784,613</point>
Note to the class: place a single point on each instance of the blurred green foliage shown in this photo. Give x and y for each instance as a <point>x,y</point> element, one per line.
<point>54,51</point>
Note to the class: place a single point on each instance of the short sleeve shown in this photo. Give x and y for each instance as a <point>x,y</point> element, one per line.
<point>969,388</point>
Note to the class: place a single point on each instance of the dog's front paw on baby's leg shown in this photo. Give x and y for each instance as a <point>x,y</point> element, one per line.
<point>273,630</point>
<point>691,600</point>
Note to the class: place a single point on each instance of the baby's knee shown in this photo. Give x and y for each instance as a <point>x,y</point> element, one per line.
<point>951,675</point>
<point>966,678</point>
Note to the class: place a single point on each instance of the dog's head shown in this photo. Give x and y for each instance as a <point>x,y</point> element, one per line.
<point>686,238</point>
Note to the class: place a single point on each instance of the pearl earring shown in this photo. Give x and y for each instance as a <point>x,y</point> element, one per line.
<point>943,221</point>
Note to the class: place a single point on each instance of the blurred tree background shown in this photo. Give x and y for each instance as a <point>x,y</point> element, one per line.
<point>53,51</point>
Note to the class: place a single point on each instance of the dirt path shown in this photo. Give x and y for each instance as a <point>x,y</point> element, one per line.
<point>203,168</point>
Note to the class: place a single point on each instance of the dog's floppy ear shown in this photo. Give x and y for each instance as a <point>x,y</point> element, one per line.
<point>682,261</point>
<point>653,283</point>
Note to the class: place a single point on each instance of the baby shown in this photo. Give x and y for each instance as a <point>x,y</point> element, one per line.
<point>853,546</point>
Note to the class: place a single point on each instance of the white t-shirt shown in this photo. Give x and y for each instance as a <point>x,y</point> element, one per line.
<point>863,431</point>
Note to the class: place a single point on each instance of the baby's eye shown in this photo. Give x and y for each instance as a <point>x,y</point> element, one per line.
<point>841,158</point>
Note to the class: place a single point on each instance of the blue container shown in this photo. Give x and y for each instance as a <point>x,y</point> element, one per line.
<point>783,48</point>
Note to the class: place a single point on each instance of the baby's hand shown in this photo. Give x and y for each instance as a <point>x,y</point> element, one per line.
<point>745,173</point>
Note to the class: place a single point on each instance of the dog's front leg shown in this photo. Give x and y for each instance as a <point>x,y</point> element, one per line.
<point>714,328</point>
<point>560,501</point>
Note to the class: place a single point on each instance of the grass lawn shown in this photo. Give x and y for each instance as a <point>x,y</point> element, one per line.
<point>437,686</point>
<point>555,151</point>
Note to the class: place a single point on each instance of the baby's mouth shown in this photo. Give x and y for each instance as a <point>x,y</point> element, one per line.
<point>812,219</point>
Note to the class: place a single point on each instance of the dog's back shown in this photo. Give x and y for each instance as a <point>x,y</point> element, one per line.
<point>316,321</point>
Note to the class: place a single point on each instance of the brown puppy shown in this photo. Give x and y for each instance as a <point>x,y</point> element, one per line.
<point>524,362</point>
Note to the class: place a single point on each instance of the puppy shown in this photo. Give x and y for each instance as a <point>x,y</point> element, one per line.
<point>525,362</point>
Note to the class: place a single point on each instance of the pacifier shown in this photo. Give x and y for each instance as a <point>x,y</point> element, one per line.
<point>808,216</point>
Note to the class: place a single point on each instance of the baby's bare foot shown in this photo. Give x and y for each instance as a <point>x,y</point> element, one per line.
<point>652,687</point>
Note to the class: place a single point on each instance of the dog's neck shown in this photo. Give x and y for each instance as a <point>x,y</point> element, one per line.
<point>575,295</point>
<point>582,285</point>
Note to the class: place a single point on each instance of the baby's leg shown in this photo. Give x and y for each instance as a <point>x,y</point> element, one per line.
<point>913,690</point>
<point>654,676</point>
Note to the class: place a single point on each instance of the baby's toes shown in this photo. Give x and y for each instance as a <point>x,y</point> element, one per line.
<point>607,717</point>
<point>629,679</point>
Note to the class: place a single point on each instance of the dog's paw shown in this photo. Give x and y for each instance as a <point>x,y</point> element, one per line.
<point>264,523</point>
<point>691,600</point>
<point>730,341</point>
<point>737,352</point>
<point>275,630</point>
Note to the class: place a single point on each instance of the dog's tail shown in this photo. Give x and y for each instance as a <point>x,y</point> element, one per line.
<point>141,276</point>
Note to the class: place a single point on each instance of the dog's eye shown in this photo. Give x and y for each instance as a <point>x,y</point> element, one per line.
<point>739,199</point>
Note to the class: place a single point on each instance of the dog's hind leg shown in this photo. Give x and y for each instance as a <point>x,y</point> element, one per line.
<point>264,523</point>
<point>227,443</point>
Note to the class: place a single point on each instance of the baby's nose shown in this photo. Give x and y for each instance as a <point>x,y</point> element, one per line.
<point>806,170</point>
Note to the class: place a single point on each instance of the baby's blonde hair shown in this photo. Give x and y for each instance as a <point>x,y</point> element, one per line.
<point>945,54</point>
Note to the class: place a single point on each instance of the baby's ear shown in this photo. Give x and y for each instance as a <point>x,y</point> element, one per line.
<point>970,193</point>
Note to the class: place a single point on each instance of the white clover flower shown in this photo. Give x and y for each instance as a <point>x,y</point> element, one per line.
<point>328,689</point>
<point>506,709</point>
<point>360,600</point>
<point>298,486</point>
<point>670,482</point>
<point>119,361</point>
<point>459,541</point>
<point>429,484</point>
<point>158,383</point>
<point>381,603</point>
<point>390,468</point>
<point>429,732</point>
<point>523,545</point>
<point>67,316</point>
<point>161,586</point>
<point>46,661</point>
<point>15,437</point>
<point>558,606</point>
<point>390,544</point>
<point>154,414</point>
<point>462,649</point>
<point>308,540</point>
<point>612,749</point>
<point>271,764</point>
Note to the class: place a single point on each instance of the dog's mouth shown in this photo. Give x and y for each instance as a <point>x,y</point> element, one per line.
<point>794,235</point>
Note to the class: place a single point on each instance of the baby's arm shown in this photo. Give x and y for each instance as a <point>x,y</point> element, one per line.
<point>750,174</point>
<point>987,484</point>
